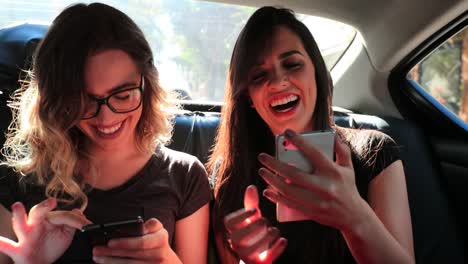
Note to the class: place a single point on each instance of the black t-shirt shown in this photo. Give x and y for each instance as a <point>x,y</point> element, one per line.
<point>310,242</point>
<point>372,152</point>
<point>171,186</point>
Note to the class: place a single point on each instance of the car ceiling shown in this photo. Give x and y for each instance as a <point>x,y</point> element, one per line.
<point>390,28</point>
<point>389,31</point>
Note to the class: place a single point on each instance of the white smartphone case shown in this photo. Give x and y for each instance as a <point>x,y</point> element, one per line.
<point>288,153</point>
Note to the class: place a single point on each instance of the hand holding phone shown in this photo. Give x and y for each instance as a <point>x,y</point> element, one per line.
<point>100,234</point>
<point>288,153</point>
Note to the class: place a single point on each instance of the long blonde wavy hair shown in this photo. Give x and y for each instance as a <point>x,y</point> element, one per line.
<point>43,143</point>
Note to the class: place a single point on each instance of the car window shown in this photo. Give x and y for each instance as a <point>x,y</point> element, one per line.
<point>443,74</point>
<point>192,41</point>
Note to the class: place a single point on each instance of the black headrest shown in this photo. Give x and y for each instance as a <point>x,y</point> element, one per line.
<point>17,44</point>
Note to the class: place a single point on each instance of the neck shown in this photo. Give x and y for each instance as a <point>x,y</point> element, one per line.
<point>118,152</point>
<point>114,167</point>
<point>115,155</point>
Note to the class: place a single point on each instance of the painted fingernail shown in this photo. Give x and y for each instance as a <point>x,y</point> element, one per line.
<point>262,157</point>
<point>15,205</point>
<point>289,133</point>
<point>261,171</point>
<point>267,194</point>
<point>273,231</point>
<point>284,241</point>
<point>97,259</point>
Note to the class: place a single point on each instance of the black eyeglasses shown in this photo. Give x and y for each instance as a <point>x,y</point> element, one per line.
<point>123,101</point>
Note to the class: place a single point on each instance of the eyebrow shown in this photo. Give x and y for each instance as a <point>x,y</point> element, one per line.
<point>117,88</point>
<point>282,56</point>
<point>289,53</point>
<point>122,86</point>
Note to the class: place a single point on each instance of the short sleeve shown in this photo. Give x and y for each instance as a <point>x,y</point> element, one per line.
<point>374,151</point>
<point>196,192</point>
<point>386,152</point>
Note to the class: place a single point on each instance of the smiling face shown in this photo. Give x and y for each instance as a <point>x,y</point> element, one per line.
<point>282,85</point>
<point>106,73</point>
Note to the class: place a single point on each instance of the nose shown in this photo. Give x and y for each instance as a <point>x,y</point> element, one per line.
<point>104,113</point>
<point>279,80</point>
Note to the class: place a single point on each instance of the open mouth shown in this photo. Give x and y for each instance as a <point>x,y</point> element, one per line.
<point>109,131</point>
<point>285,104</point>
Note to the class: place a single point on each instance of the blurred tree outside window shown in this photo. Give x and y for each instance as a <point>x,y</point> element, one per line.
<point>444,74</point>
<point>192,40</point>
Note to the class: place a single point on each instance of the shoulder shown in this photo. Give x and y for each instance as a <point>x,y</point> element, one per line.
<point>372,148</point>
<point>171,157</point>
<point>188,177</point>
<point>179,163</point>
<point>358,137</point>
<point>366,142</point>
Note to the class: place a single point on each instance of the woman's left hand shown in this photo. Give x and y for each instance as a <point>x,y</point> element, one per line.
<point>152,247</point>
<point>328,195</point>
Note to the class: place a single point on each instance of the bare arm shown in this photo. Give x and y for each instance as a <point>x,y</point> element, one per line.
<point>6,230</point>
<point>191,237</point>
<point>385,234</point>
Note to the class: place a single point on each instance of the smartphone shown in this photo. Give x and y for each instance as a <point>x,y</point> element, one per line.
<point>100,234</point>
<point>288,153</point>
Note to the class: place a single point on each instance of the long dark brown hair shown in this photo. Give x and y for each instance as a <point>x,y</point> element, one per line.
<point>43,140</point>
<point>243,134</point>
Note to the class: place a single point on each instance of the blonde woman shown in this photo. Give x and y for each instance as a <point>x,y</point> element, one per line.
<point>87,146</point>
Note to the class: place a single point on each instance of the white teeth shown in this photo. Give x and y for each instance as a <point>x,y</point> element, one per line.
<point>284,100</point>
<point>110,130</point>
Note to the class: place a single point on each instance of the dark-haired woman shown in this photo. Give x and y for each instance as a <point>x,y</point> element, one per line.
<point>356,206</point>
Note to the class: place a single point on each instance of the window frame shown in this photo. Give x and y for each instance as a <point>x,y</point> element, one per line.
<point>413,102</point>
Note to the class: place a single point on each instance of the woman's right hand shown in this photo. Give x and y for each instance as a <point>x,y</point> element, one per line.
<point>43,235</point>
<point>250,235</point>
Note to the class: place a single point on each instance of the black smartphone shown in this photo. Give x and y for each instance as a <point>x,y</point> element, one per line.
<point>100,234</point>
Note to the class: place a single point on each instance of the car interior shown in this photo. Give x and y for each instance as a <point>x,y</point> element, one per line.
<point>371,91</point>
